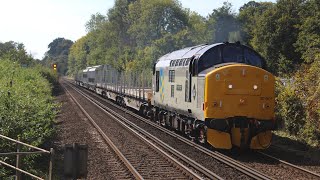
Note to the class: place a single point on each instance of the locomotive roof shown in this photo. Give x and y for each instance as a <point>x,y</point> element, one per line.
<point>86,69</point>
<point>184,53</point>
<point>92,68</point>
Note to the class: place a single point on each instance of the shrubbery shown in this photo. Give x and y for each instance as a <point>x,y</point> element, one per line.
<point>298,104</point>
<point>27,109</point>
<point>290,109</point>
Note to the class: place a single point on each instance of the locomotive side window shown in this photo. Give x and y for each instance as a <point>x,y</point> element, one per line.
<point>91,80</point>
<point>186,63</point>
<point>172,62</point>
<point>157,81</point>
<point>232,54</point>
<point>181,62</point>
<point>172,90</point>
<point>177,62</point>
<point>252,58</point>
<point>171,75</point>
<point>186,97</point>
<point>104,75</point>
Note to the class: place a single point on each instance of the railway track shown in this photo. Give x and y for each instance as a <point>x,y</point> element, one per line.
<point>229,168</point>
<point>273,168</point>
<point>309,174</point>
<point>141,155</point>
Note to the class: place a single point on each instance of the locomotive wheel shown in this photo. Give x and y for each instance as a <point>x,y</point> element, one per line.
<point>145,111</point>
<point>152,116</point>
<point>123,103</point>
<point>201,136</point>
<point>141,110</point>
<point>162,121</point>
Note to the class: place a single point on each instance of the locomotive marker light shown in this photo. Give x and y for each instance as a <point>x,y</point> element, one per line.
<point>255,87</point>
<point>217,77</point>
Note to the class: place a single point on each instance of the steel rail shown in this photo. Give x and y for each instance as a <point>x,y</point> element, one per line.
<point>253,173</point>
<point>186,159</point>
<point>291,165</point>
<point>134,172</point>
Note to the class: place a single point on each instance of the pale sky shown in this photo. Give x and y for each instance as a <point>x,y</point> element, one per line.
<point>36,23</point>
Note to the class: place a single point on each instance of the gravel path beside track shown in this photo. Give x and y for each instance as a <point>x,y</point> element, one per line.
<point>73,127</point>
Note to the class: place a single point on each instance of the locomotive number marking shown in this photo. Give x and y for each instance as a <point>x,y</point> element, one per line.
<point>265,98</point>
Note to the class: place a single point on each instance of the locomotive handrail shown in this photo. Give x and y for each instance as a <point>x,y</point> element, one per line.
<point>18,159</point>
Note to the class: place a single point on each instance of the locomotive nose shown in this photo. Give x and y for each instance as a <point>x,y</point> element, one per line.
<point>239,90</point>
<point>234,95</point>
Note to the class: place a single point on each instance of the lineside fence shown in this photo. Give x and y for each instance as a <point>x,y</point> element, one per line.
<point>19,153</point>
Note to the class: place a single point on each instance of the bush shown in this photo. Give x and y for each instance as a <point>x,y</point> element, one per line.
<point>298,104</point>
<point>27,109</point>
<point>311,134</point>
<point>289,109</point>
<point>308,86</point>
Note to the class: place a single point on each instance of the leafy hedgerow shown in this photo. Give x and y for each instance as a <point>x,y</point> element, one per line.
<point>27,109</point>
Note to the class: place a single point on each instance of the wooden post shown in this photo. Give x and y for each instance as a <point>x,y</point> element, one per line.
<point>143,84</point>
<point>51,163</point>
<point>18,162</point>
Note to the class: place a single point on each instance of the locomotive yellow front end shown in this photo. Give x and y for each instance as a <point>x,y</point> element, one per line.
<point>239,107</point>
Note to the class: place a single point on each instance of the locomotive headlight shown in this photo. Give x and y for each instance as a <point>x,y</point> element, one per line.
<point>230,86</point>
<point>255,87</point>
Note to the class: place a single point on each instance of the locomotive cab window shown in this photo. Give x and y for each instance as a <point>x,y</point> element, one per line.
<point>252,58</point>
<point>209,59</point>
<point>232,54</point>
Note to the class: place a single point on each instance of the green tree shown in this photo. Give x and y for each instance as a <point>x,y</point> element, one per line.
<point>275,35</point>
<point>308,42</point>
<point>58,54</point>
<point>77,58</point>
<point>16,52</point>
<point>198,27</point>
<point>222,21</point>
<point>248,17</point>
<point>95,22</point>
<point>152,20</point>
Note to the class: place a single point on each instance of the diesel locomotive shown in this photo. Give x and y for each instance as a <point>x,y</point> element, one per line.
<point>218,94</point>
